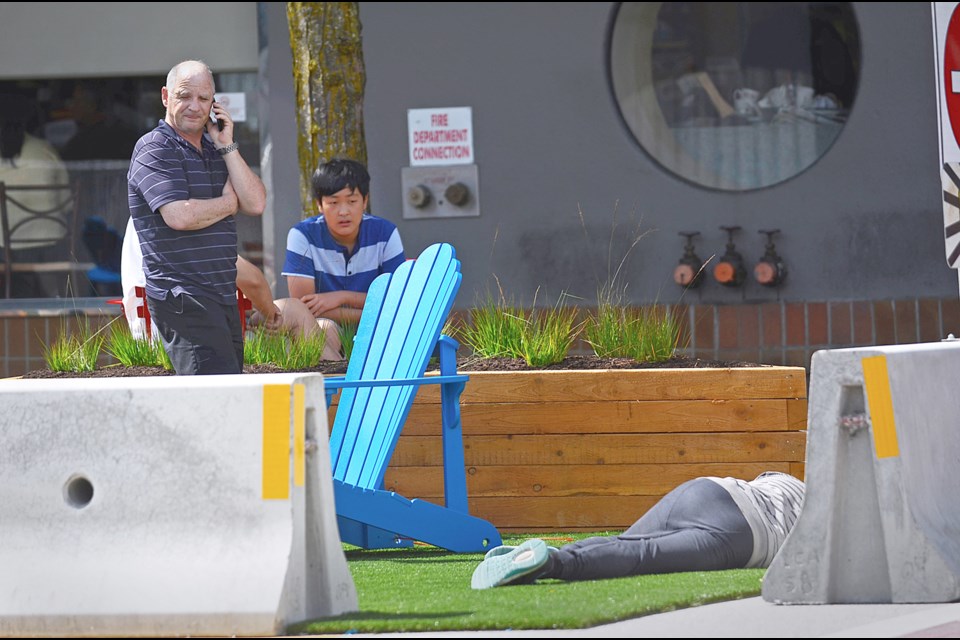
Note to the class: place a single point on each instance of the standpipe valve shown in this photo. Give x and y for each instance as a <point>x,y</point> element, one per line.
<point>770,269</point>
<point>730,271</point>
<point>689,272</point>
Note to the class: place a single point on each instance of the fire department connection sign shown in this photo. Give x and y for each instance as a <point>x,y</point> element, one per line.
<point>440,136</point>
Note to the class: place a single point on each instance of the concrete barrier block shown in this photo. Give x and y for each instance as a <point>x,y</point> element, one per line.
<point>881,515</point>
<point>156,506</point>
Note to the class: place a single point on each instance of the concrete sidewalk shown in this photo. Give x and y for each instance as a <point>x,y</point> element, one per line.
<point>756,618</point>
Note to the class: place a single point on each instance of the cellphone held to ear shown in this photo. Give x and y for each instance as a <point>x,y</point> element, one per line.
<point>217,120</point>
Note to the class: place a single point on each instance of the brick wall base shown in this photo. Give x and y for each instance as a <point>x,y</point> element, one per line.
<point>25,334</point>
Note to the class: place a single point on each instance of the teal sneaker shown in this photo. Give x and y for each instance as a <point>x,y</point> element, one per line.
<point>511,566</point>
<point>498,551</point>
<point>504,549</point>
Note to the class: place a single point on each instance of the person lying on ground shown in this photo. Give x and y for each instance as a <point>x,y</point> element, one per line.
<point>705,524</point>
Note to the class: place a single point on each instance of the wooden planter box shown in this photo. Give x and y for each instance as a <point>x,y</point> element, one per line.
<point>593,450</point>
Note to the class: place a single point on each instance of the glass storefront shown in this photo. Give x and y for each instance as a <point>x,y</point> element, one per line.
<point>91,125</point>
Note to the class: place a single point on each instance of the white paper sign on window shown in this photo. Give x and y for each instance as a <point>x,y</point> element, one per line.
<point>235,103</point>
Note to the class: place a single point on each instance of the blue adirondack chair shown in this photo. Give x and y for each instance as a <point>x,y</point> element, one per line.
<point>399,330</point>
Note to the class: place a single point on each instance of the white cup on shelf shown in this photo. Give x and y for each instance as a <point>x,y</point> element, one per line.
<point>745,102</point>
<point>777,97</point>
<point>804,97</point>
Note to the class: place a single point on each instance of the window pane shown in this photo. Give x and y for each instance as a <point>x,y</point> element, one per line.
<point>735,95</point>
<point>92,124</point>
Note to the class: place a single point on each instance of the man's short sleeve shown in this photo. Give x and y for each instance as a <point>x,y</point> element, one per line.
<point>158,171</point>
<point>299,257</point>
<point>393,255</point>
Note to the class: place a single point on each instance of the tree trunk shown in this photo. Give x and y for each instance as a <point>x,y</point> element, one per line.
<point>329,78</point>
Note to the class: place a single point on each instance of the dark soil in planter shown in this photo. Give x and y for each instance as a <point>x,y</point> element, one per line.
<point>464,364</point>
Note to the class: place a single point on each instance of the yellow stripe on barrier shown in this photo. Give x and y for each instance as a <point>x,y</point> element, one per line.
<point>299,434</point>
<point>276,442</point>
<point>876,379</point>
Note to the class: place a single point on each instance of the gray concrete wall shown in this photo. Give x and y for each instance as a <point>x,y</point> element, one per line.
<point>863,223</point>
<point>63,39</point>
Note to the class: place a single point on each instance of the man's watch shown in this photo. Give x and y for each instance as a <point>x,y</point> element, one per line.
<point>227,149</point>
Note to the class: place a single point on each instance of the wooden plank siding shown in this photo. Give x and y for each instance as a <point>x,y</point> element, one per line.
<point>549,451</point>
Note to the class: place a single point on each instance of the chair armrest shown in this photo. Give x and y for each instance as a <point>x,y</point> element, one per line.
<point>332,384</point>
<point>446,350</point>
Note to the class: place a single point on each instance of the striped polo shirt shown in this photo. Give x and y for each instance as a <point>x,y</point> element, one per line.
<point>166,168</point>
<point>771,503</point>
<point>312,252</point>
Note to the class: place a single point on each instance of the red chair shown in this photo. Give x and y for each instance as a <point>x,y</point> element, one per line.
<point>243,305</point>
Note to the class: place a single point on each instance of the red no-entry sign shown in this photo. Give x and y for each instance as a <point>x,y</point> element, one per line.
<point>946,33</point>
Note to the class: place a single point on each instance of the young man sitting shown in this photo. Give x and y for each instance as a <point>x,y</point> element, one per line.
<point>333,257</point>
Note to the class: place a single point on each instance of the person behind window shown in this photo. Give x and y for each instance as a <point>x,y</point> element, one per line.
<point>100,135</point>
<point>28,160</point>
<point>799,45</point>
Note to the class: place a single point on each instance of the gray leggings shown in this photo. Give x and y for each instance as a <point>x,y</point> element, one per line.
<point>695,527</point>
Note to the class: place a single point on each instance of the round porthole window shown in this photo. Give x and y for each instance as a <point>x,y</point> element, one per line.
<point>735,95</point>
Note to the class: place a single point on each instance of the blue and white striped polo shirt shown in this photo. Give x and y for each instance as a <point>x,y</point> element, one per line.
<point>312,252</point>
<point>166,168</point>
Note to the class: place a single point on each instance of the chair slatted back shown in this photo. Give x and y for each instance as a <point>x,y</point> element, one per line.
<point>402,319</point>
<point>34,229</point>
<point>25,233</point>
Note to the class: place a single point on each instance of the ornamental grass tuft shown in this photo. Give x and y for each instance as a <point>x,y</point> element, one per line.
<point>644,334</point>
<point>499,329</point>
<point>548,334</point>
<point>136,352</point>
<point>74,351</point>
<point>347,331</point>
<point>494,330</point>
<point>284,349</point>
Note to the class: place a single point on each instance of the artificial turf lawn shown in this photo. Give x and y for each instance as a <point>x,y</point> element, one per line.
<point>428,589</point>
